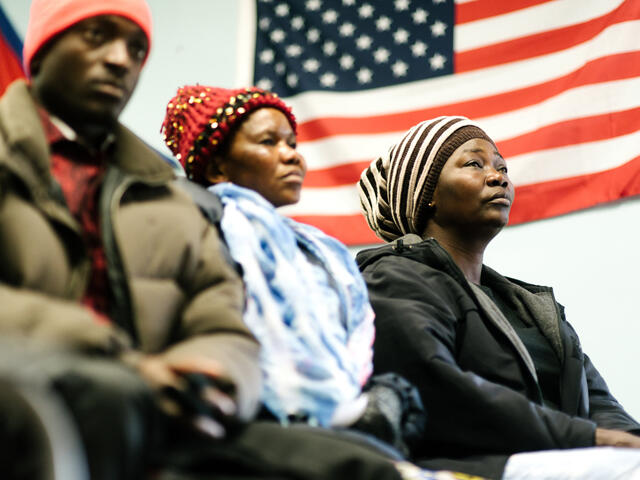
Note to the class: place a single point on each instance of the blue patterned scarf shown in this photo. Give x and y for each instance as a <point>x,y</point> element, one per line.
<point>306,303</point>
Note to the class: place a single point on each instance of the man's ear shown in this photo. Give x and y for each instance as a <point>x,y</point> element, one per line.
<point>214,172</point>
<point>34,67</point>
<point>36,60</point>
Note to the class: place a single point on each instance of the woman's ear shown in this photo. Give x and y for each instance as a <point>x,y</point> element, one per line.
<point>214,172</point>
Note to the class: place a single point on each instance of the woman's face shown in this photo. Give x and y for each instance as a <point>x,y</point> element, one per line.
<point>262,156</point>
<point>474,188</point>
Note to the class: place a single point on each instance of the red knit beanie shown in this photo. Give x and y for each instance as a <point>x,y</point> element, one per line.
<point>200,119</point>
<point>48,18</point>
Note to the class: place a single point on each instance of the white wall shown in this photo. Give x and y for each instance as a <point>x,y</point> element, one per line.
<point>591,258</point>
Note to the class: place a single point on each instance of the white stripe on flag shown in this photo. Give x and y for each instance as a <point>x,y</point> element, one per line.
<point>548,16</point>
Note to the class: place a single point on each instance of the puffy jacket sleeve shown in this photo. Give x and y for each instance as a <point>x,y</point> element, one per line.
<point>419,312</point>
<point>43,318</point>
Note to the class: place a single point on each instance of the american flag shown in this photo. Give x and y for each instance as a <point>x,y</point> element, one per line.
<point>555,83</point>
<point>10,53</point>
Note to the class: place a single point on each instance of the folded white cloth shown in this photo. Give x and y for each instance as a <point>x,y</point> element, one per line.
<point>595,463</point>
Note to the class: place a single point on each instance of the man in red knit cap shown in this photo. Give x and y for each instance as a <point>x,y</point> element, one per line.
<point>104,257</point>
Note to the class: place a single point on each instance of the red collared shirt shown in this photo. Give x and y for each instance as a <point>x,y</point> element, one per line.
<point>79,170</point>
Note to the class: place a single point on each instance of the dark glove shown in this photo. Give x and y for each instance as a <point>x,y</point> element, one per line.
<point>394,413</point>
<point>193,404</point>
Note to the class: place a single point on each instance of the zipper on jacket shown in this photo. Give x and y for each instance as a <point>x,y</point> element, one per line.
<point>444,257</point>
<point>79,276</point>
<point>113,188</point>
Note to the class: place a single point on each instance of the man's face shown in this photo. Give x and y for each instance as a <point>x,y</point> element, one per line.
<point>88,73</point>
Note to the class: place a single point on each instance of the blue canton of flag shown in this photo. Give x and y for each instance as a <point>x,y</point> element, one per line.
<point>344,45</point>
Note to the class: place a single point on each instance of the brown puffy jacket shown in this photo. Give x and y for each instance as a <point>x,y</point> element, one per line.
<point>173,292</point>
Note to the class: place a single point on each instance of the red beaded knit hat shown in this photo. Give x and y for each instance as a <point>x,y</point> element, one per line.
<point>200,119</point>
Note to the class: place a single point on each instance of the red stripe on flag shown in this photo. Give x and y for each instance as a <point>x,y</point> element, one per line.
<point>543,43</point>
<point>350,229</point>
<point>614,67</point>
<point>573,132</point>
<point>481,9</point>
<point>548,199</point>
<point>346,174</point>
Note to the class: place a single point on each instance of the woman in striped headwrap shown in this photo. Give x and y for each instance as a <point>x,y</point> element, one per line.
<point>499,369</point>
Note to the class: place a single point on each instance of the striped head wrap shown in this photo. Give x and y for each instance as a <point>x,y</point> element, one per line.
<point>396,189</point>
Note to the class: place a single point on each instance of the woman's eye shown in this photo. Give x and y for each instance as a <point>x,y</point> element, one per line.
<point>473,163</point>
<point>267,141</point>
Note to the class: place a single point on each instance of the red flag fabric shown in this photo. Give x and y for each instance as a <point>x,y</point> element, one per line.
<point>553,82</point>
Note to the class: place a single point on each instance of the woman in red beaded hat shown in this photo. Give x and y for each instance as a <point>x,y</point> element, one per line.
<point>306,300</point>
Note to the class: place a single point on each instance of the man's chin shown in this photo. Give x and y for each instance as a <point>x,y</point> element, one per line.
<point>97,116</point>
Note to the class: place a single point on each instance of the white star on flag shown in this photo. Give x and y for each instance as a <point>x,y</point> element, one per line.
<point>266,56</point>
<point>381,55</point>
<point>383,24</point>
<point>297,23</point>
<point>292,79</point>
<point>400,36</point>
<point>314,5</point>
<point>328,79</point>
<point>282,10</point>
<point>294,50</point>
<point>329,48</point>
<point>419,49</point>
<point>420,16</point>
<point>311,65</point>
<point>346,62</point>
<point>347,29</point>
<point>364,75</point>
<point>313,35</point>
<point>366,11</point>
<point>401,5</point>
<point>364,42</point>
<point>399,68</point>
<point>438,29</point>
<point>278,35</point>
<point>330,17</point>
<point>437,61</point>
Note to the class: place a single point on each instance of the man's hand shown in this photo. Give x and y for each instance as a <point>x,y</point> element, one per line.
<point>616,438</point>
<point>190,387</point>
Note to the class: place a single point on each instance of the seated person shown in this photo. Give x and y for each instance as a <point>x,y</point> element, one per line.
<point>306,300</point>
<point>103,256</point>
<point>499,369</point>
